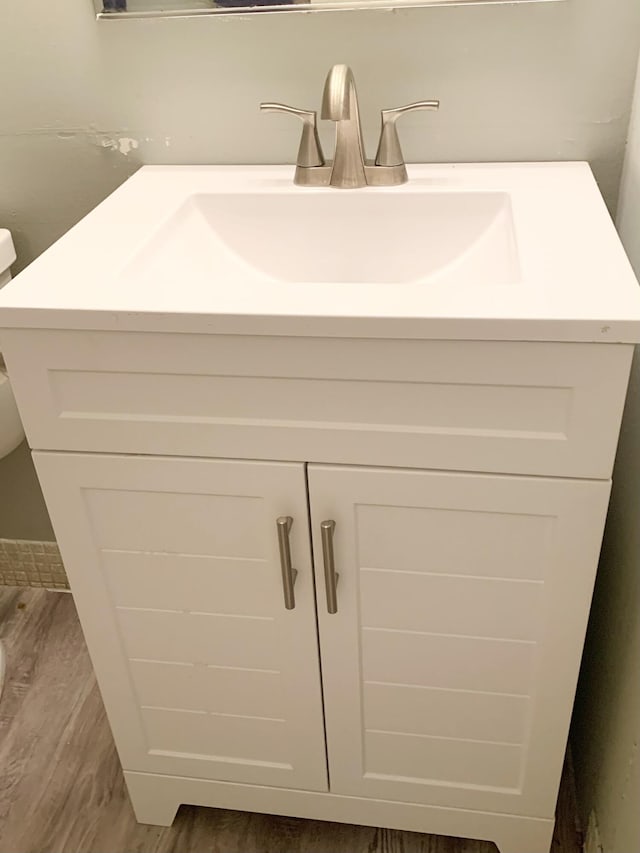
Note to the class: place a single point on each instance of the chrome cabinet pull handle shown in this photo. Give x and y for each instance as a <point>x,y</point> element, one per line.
<point>310,151</point>
<point>389,151</point>
<point>289,574</point>
<point>330,575</point>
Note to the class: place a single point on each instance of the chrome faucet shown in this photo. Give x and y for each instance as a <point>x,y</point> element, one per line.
<point>349,168</point>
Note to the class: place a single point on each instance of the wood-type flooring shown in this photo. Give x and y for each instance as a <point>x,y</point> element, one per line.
<point>61,787</point>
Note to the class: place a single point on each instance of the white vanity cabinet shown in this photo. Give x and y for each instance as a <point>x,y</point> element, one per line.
<point>438,697</point>
<point>428,380</point>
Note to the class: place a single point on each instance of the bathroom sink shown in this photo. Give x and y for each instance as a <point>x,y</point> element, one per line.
<point>511,251</point>
<point>335,237</point>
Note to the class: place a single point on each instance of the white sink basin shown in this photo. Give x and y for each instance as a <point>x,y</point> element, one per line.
<point>485,252</point>
<point>336,237</point>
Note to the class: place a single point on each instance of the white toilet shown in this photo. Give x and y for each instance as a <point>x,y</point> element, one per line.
<point>11,432</point>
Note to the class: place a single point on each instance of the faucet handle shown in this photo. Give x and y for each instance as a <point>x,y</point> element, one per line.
<point>310,151</point>
<point>389,152</point>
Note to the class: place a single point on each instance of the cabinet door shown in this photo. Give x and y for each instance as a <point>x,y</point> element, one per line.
<point>175,568</point>
<point>450,666</point>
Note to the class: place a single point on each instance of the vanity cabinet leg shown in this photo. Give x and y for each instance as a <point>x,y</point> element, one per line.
<point>152,802</point>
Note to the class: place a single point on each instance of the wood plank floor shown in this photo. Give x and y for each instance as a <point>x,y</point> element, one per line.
<point>62,791</point>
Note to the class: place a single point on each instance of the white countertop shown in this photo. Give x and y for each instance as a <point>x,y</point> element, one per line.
<point>575,282</point>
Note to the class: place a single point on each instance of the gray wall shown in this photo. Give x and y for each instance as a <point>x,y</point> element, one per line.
<point>532,81</point>
<point>606,725</point>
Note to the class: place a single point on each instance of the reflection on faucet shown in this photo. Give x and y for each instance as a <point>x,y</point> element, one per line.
<point>340,104</point>
<point>349,168</point>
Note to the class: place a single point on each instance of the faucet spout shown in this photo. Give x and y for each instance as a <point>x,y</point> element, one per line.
<point>340,104</point>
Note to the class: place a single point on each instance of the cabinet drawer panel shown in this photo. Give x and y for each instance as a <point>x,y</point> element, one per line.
<point>395,756</point>
<point>247,692</point>
<point>445,713</point>
<point>479,607</point>
<point>244,641</point>
<point>540,408</point>
<point>232,738</point>
<point>299,402</point>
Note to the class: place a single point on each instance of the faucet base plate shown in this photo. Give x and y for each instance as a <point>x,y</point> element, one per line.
<point>376,176</point>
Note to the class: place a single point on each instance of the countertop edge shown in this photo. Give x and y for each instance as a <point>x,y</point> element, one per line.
<point>580,330</point>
